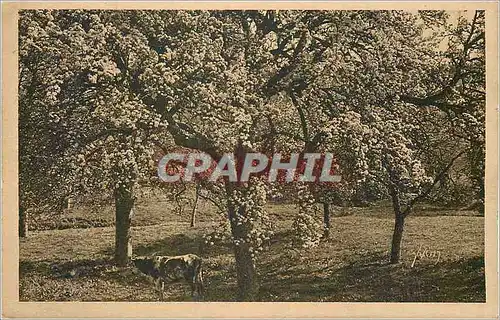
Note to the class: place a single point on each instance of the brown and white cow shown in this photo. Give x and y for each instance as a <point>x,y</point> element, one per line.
<point>165,269</point>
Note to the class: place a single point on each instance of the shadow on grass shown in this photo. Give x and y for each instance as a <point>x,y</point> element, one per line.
<point>85,268</point>
<point>371,279</point>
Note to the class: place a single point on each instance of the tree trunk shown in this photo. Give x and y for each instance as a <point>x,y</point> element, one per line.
<point>23,223</point>
<point>326,219</point>
<point>397,236</point>
<point>246,275</point>
<point>124,203</point>
<point>399,221</point>
<point>195,207</point>
<point>248,284</point>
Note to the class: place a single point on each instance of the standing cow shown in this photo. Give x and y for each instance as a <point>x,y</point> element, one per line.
<point>171,269</point>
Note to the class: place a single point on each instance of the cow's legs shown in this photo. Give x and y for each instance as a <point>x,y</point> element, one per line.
<point>162,289</point>
<point>192,284</point>
<point>199,283</point>
<point>160,286</point>
<point>199,290</point>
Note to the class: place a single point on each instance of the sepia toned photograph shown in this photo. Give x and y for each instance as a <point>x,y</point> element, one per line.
<point>260,155</point>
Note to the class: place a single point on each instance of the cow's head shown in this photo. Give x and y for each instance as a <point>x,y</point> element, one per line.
<point>146,265</point>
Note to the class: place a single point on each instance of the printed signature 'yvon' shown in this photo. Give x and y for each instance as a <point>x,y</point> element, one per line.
<point>426,253</point>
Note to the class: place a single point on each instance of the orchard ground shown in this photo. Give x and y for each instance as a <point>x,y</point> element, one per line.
<point>74,264</point>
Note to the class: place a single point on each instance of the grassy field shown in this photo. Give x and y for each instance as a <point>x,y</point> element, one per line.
<point>74,264</point>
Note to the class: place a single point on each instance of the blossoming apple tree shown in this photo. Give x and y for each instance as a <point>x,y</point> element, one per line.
<point>78,82</point>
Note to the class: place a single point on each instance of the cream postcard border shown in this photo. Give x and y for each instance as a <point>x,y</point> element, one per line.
<point>12,308</point>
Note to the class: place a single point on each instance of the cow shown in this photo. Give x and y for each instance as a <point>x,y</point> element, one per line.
<point>165,269</point>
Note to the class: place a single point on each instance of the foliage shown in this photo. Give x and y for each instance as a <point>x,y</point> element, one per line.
<point>81,65</point>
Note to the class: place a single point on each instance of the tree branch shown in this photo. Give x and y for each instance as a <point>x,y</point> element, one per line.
<point>429,189</point>
<point>303,121</point>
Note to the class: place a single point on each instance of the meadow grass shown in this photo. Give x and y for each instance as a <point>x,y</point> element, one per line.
<point>351,265</point>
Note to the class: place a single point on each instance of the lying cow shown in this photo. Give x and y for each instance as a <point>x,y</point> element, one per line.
<point>172,268</point>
